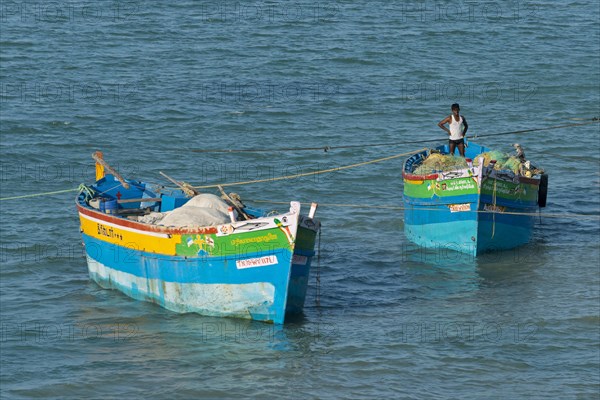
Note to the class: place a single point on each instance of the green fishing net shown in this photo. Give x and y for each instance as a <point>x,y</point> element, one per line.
<point>503,161</point>
<point>437,162</point>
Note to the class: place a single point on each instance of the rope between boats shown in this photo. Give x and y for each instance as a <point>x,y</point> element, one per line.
<point>351,146</point>
<point>400,208</point>
<point>271,179</point>
<point>322,171</point>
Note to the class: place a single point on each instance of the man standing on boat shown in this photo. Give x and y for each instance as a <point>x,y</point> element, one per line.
<point>458,129</point>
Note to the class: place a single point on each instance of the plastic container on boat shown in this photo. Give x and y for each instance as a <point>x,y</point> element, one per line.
<point>109,206</point>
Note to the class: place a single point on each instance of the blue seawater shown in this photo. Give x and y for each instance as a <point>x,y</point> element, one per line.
<point>150,82</point>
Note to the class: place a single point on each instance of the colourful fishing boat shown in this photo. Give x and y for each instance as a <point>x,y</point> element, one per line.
<point>475,206</point>
<point>250,265</point>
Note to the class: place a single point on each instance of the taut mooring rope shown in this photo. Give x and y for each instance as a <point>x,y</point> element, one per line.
<point>322,171</point>
<point>277,178</point>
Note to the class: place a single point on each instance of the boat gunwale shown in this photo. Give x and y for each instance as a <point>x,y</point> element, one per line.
<point>93,213</point>
<point>414,177</point>
<point>522,179</point>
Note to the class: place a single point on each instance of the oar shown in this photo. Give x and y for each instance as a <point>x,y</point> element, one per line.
<point>233,203</point>
<point>101,161</point>
<point>187,188</point>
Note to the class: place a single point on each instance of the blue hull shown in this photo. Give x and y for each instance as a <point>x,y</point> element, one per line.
<point>469,232</point>
<point>206,285</point>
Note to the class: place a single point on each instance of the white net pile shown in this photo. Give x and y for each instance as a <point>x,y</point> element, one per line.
<point>201,210</point>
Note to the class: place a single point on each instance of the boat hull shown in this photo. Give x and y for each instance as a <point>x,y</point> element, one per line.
<point>255,270</point>
<point>475,232</point>
<point>300,272</point>
<point>434,228</point>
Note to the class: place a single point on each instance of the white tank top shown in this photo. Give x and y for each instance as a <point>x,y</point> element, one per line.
<point>456,128</point>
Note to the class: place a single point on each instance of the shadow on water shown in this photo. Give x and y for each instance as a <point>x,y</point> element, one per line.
<point>443,272</point>
<point>517,265</point>
<point>143,330</point>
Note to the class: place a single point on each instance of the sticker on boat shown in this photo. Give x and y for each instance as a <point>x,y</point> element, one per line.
<point>491,207</point>
<point>453,174</point>
<point>256,262</point>
<point>460,207</point>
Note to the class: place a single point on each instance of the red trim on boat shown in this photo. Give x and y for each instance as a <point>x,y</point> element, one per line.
<point>140,226</point>
<point>412,177</point>
<point>524,179</point>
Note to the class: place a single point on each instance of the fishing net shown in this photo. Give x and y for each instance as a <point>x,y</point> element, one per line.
<point>503,161</point>
<point>512,163</point>
<point>194,216</point>
<point>201,210</point>
<point>152,218</point>
<point>491,155</point>
<point>437,162</point>
<point>207,200</point>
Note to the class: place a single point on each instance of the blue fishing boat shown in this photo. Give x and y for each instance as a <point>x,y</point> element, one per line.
<point>191,252</point>
<point>474,204</point>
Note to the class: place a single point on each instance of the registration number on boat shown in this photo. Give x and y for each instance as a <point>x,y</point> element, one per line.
<point>460,207</point>
<point>256,262</point>
<point>494,208</point>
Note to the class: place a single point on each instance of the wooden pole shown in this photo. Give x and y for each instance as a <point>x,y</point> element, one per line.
<point>99,167</point>
<point>233,203</point>
<point>187,189</point>
<point>98,158</point>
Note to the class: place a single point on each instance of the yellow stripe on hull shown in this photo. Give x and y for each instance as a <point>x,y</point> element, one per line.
<point>153,242</point>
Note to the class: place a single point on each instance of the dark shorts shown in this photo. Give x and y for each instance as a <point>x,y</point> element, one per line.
<point>459,141</point>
